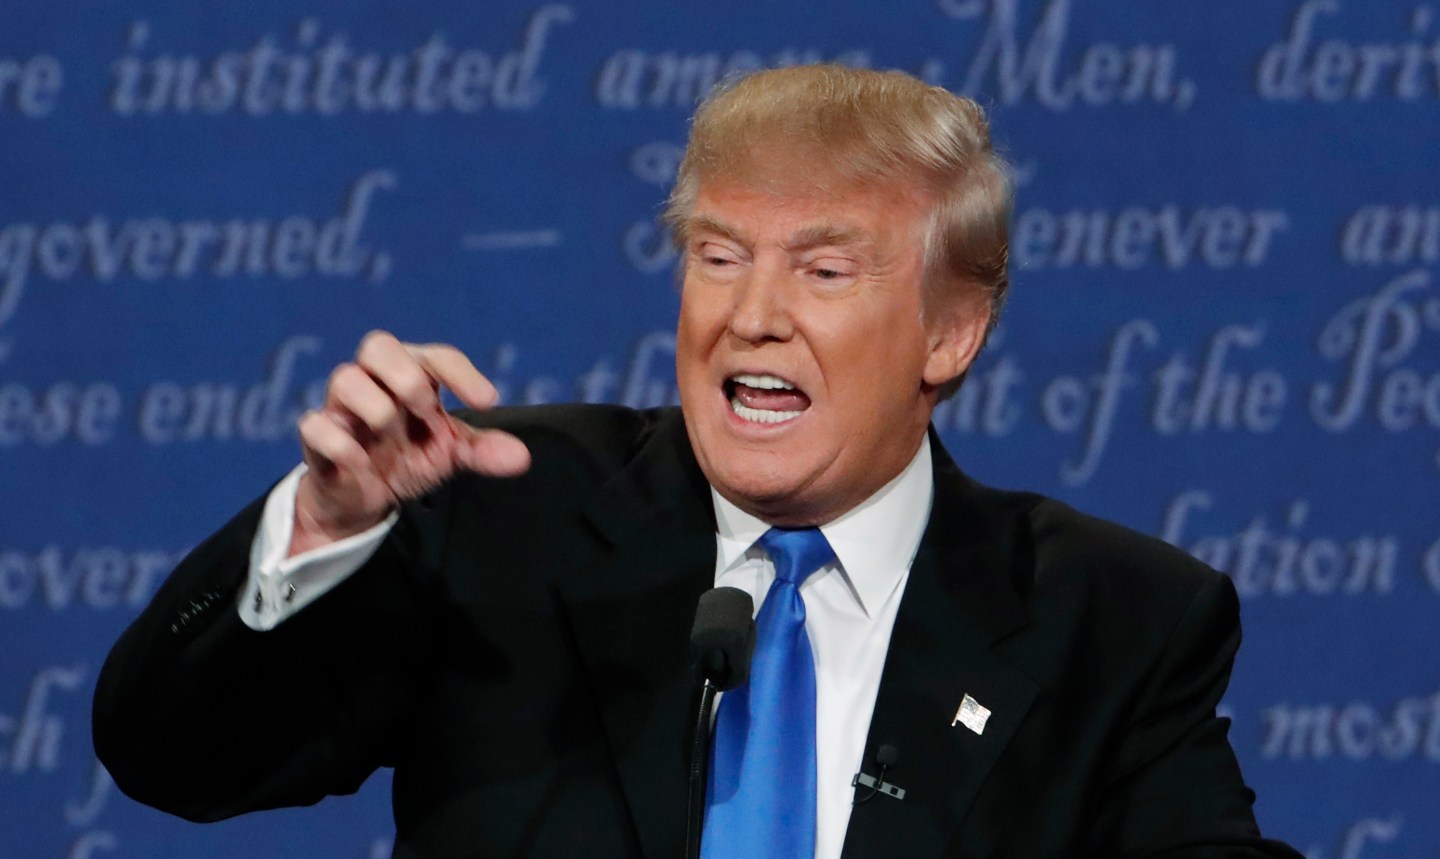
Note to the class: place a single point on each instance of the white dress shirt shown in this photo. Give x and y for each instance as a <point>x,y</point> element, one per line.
<point>850,605</point>
<point>279,586</point>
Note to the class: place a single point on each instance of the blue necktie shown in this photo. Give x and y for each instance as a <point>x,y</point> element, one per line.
<point>761,803</point>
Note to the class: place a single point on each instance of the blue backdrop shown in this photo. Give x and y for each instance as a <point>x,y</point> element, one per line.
<point>1224,328</point>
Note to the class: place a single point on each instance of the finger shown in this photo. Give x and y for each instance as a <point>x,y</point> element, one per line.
<point>452,369</point>
<point>395,369</point>
<point>354,392</point>
<point>491,452</point>
<point>328,442</point>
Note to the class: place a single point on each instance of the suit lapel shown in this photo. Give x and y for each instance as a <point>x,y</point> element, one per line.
<point>961,599</point>
<point>631,610</point>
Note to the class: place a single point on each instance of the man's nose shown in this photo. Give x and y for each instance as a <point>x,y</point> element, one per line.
<point>761,308</point>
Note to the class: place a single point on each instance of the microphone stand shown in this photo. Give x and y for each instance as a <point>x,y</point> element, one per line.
<point>699,769</point>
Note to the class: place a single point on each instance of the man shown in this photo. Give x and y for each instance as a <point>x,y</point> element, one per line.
<point>501,613</point>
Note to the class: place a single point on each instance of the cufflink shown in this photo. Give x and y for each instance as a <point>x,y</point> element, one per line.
<point>972,715</point>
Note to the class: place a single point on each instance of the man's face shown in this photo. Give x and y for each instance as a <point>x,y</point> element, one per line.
<point>806,366</point>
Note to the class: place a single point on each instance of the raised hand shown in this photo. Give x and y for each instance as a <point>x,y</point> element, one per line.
<point>383,437</point>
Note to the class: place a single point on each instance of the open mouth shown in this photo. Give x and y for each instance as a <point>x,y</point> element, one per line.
<point>764,399</point>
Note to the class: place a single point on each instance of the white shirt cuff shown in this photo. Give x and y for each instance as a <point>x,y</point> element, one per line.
<point>278,586</point>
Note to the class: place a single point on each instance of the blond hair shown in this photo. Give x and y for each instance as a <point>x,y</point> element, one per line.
<point>868,128</point>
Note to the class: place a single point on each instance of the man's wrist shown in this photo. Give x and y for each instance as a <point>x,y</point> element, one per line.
<point>310,530</point>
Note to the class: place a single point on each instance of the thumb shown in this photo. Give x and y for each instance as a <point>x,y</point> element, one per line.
<point>491,452</point>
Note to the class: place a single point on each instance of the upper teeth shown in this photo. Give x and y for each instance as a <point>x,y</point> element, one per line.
<point>769,383</point>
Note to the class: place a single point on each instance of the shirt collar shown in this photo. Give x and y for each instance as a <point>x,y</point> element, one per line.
<point>875,541</point>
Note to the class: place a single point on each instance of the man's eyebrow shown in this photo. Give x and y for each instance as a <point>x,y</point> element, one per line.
<point>817,235</point>
<point>706,224</point>
<point>824,235</point>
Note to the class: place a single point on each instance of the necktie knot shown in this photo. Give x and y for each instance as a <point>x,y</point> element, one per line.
<point>797,552</point>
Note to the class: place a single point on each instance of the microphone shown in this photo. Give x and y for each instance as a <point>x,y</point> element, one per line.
<point>723,637</point>
<point>721,643</point>
<point>886,757</point>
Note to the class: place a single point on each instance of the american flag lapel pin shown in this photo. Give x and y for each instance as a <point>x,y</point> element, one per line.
<point>972,715</point>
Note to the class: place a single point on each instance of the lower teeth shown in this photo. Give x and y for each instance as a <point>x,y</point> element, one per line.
<point>760,416</point>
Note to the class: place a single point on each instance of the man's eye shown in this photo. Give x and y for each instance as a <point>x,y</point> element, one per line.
<point>826,273</point>
<point>718,261</point>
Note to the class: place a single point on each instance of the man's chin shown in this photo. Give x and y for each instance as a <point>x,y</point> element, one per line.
<point>763,470</point>
<point>778,498</point>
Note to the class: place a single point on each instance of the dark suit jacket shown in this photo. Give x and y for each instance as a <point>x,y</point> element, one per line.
<point>517,651</point>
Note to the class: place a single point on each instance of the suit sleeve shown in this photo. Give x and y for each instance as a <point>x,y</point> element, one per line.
<point>1174,787</point>
<point>197,714</point>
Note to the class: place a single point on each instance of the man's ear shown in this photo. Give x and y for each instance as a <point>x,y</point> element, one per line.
<point>956,334</point>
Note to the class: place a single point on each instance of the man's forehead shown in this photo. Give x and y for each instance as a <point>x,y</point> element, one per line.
<point>807,211</point>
